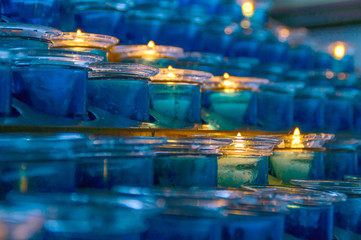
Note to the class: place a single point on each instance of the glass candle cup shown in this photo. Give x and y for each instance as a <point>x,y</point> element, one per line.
<point>151,54</point>
<point>187,162</point>
<point>102,17</point>
<point>339,110</point>
<point>309,107</point>
<point>310,212</point>
<point>92,215</point>
<point>85,43</point>
<point>300,156</point>
<point>6,79</point>
<point>242,67</point>
<point>231,102</point>
<point>201,61</point>
<point>175,95</point>
<point>15,35</point>
<point>53,82</point>
<point>341,158</point>
<point>300,57</point>
<point>107,162</point>
<point>276,105</point>
<point>121,89</point>
<point>275,72</point>
<point>245,162</point>
<point>38,163</point>
<point>347,214</point>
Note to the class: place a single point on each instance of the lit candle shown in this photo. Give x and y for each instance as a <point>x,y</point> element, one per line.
<point>300,156</point>
<point>175,95</point>
<point>85,42</point>
<point>343,59</point>
<point>150,54</point>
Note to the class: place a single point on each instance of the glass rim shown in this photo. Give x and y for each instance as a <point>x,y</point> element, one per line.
<point>285,87</point>
<point>308,140</point>
<point>234,82</point>
<point>352,178</point>
<point>349,188</point>
<point>143,51</point>
<point>202,57</point>
<point>28,31</point>
<point>122,69</point>
<point>177,75</point>
<point>112,4</point>
<point>26,57</point>
<point>87,40</point>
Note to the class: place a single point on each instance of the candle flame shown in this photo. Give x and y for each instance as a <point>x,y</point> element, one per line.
<point>296,139</point>
<point>78,31</point>
<point>248,9</point>
<point>227,83</point>
<point>225,75</point>
<point>238,141</point>
<point>151,44</point>
<point>170,67</point>
<point>239,135</point>
<point>339,51</point>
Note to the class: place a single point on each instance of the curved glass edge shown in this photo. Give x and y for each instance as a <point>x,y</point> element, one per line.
<point>122,69</point>
<point>75,39</point>
<point>143,51</point>
<point>345,187</point>
<point>28,30</point>
<point>181,75</point>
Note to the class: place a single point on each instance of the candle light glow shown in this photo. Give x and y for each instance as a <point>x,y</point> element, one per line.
<point>296,139</point>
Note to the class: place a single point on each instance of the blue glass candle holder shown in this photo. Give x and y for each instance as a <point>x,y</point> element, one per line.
<point>175,95</point>
<point>102,17</point>
<point>339,110</point>
<point>346,213</point>
<point>6,79</point>
<point>184,27</point>
<point>231,102</point>
<point>309,107</point>
<point>242,67</point>
<point>85,43</point>
<point>357,113</point>
<point>92,215</point>
<point>275,72</point>
<point>276,105</point>
<point>246,42</point>
<point>151,54</point>
<point>38,163</point>
<point>273,51</point>
<point>121,89</point>
<point>342,57</point>
<point>146,22</point>
<point>341,159</point>
<point>298,157</point>
<point>322,78</point>
<point>300,57</point>
<point>53,82</point>
<point>37,12</point>
<point>108,162</point>
<point>323,61</point>
<point>187,163</point>
<point>310,212</point>
<point>15,35</point>
<point>245,162</point>
<point>207,62</point>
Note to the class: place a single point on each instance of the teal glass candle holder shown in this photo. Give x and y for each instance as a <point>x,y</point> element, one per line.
<point>342,57</point>
<point>53,82</point>
<point>244,162</point>
<point>231,102</point>
<point>175,95</point>
<point>102,17</point>
<point>201,61</point>
<point>341,158</point>
<point>346,213</point>
<point>241,67</point>
<point>108,162</point>
<point>6,79</point>
<point>121,89</point>
<point>339,110</point>
<point>301,57</point>
<point>275,72</point>
<point>151,54</point>
<point>16,35</point>
<point>276,105</point>
<point>300,156</point>
<point>187,163</point>
<point>85,43</point>
<point>309,107</point>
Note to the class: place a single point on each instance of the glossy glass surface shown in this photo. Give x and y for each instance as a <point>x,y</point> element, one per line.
<point>6,79</point>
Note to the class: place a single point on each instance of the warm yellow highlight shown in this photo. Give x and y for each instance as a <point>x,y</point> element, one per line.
<point>248,9</point>
<point>339,51</point>
<point>296,139</point>
<point>226,76</point>
<point>151,44</point>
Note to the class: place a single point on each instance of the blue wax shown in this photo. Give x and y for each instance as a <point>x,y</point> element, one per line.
<point>309,112</point>
<point>185,171</point>
<point>176,101</point>
<point>348,218</point>
<point>338,114</point>
<point>273,52</point>
<point>300,58</point>
<point>239,106</point>
<point>5,89</point>
<point>126,97</point>
<point>340,162</point>
<point>310,222</point>
<point>167,227</point>
<point>107,172</point>
<point>275,110</point>
<point>39,12</point>
<point>290,164</point>
<point>37,176</point>
<point>238,170</point>
<point>53,90</point>
<point>101,21</point>
<point>256,227</point>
